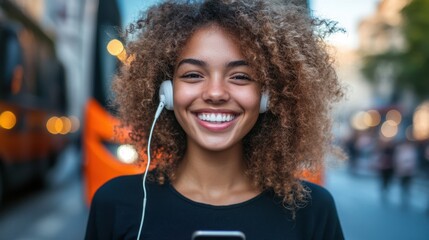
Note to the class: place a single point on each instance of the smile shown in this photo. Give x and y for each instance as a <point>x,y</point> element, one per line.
<point>216,117</point>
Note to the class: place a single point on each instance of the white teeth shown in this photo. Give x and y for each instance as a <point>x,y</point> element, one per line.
<point>216,117</point>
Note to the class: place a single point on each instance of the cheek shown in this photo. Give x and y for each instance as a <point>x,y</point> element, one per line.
<point>183,96</point>
<point>248,99</point>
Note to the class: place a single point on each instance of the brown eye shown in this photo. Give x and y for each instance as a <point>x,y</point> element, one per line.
<point>241,77</point>
<point>191,75</point>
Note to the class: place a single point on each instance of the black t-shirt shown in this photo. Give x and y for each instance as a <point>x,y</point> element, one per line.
<point>117,208</point>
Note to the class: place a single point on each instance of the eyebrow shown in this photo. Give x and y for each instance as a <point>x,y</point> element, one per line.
<point>192,61</point>
<point>237,63</point>
<point>201,63</point>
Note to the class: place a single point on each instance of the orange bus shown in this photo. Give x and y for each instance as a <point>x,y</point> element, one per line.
<point>33,101</point>
<point>105,158</point>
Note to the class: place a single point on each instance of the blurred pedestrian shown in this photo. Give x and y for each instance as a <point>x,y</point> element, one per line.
<point>386,167</point>
<point>405,168</point>
<point>426,170</point>
<point>352,151</point>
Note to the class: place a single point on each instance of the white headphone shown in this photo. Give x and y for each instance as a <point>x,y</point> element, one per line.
<point>166,100</point>
<point>166,96</point>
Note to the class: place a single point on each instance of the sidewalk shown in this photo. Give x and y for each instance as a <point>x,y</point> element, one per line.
<point>364,214</point>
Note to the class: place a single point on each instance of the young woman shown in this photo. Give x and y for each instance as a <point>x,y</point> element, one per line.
<point>252,86</point>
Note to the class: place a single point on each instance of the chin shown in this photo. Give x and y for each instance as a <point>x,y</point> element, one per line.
<point>218,146</point>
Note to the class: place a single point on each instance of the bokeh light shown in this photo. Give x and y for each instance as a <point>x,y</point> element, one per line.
<point>394,116</point>
<point>389,129</point>
<point>421,122</point>
<point>7,120</point>
<point>115,47</point>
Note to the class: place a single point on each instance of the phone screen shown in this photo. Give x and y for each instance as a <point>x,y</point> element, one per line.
<point>218,235</point>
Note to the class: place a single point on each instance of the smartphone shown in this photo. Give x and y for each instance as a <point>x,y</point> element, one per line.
<point>218,235</point>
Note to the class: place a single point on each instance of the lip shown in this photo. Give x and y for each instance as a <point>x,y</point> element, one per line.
<point>215,110</point>
<point>215,127</point>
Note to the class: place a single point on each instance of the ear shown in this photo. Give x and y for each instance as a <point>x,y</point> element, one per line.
<point>166,94</point>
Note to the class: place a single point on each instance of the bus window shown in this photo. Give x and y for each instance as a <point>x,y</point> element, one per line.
<point>105,64</point>
<point>10,63</point>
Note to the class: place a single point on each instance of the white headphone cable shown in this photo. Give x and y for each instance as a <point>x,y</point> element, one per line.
<point>158,112</point>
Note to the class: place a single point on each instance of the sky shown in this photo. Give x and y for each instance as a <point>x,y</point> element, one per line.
<point>347,13</point>
<point>132,8</point>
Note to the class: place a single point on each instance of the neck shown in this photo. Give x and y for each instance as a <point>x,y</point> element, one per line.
<point>214,177</point>
<point>212,168</point>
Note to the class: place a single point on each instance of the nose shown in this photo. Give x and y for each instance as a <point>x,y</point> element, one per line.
<point>215,91</point>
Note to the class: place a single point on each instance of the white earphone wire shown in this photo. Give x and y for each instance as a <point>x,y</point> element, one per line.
<point>158,112</point>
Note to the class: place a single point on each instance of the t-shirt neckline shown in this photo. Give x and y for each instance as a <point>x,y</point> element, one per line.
<point>206,205</point>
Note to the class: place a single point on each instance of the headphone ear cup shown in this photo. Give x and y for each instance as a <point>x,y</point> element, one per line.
<point>166,90</point>
<point>263,105</point>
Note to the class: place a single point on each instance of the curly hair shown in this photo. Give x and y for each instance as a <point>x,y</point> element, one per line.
<point>285,46</point>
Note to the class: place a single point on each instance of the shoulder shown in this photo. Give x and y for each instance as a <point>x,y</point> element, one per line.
<point>121,183</point>
<point>318,202</point>
<point>320,198</point>
<point>118,188</point>
<point>320,213</point>
<point>117,199</point>
<point>318,194</point>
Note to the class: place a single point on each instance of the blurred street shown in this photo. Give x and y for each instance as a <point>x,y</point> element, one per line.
<point>55,212</point>
<point>59,211</point>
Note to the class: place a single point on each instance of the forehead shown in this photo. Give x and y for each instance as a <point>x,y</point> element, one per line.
<point>209,42</point>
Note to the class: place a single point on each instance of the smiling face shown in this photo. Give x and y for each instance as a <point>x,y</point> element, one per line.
<point>216,100</point>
